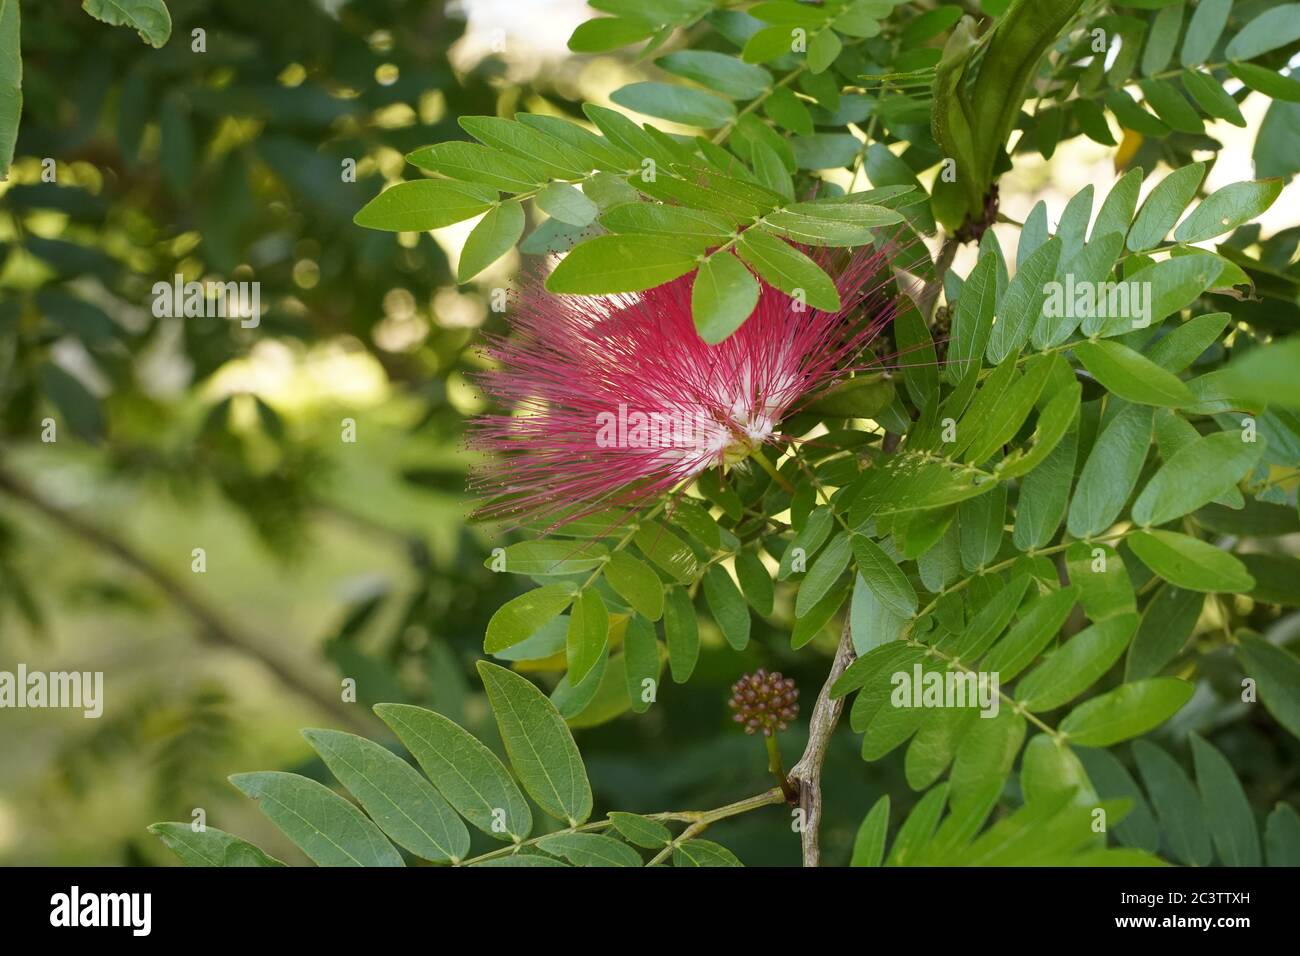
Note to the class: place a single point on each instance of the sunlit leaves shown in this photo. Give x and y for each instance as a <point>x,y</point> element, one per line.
<point>723,295</point>
<point>608,264</point>
<point>425,204</point>
<point>1128,711</point>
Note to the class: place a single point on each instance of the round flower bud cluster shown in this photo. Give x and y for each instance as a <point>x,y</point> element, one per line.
<point>764,702</point>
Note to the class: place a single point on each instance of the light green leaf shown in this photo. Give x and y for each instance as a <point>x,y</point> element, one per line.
<point>397,798</point>
<point>1022,303</point>
<point>755,582</point>
<point>636,582</point>
<point>999,424</point>
<point>587,636</point>
<point>681,634</point>
<point>425,204</point>
<point>1266,374</point>
<point>1116,213</point>
<point>973,321</point>
<point>1204,30</point>
<point>1163,207</point>
<point>209,847</point>
<point>668,551</point>
<point>640,662</point>
<point>1190,562</point>
<point>544,558</point>
<point>703,853</point>
<point>1038,624</point>
<point>1227,208</point>
<point>869,844</point>
<point>1050,768</point>
<point>1127,711</point>
<point>728,606</point>
<point>1167,623</point>
<point>726,74</point>
<point>986,753</point>
<point>1269,82</point>
<point>1105,588</point>
<point>466,773</point>
<point>1162,37</point>
<point>566,203</point>
<point>660,220</point>
<point>988,624</point>
<point>605,34</point>
<point>789,270</point>
<point>590,849</point>
<point>553,154</point>
<point>1195,475</point>
<point>1044,494</point>
<point>149,18</point>
<point>1211,97</point>
<point>640,830</point>
<point>1131,375</point>
<point>823,573</point>
<point>1181,347</point>
<point>608,264</point>
<point>521,617</point>
<point>1273,28</point>
<point>540,745</point>
<point>329,829</point>
<point>476,163</point>
<point>936,743</point>
<point>823,47</point>
<point>918,828</point>
<point>1077,664</point>
<point>678,104</point>
<point>494,236</point>
<point>723,296</point>
<point>11,83</point>
<point>882,576</point>
<point>1172,285</point>
<point>1111,471</point>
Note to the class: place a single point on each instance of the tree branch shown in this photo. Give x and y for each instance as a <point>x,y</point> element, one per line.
<point>210,623</point>
<point>930,292</point>
<point>806,774</point>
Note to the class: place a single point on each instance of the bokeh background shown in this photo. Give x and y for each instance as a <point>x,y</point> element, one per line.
<point>325,559</point>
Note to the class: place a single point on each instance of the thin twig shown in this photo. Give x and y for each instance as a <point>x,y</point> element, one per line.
<point>807,772</point>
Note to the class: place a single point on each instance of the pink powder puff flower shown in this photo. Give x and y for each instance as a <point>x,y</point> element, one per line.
<point>617,400</point>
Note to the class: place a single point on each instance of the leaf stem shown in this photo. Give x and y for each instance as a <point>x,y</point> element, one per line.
<point>766,464</point>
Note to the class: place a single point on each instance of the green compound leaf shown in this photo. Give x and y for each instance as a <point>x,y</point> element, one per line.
<point>329,829</point>
<point>539,743</point>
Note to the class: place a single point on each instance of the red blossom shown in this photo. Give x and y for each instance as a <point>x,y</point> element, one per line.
<point>616,400</point>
